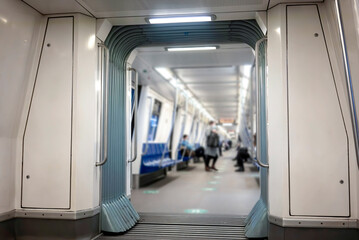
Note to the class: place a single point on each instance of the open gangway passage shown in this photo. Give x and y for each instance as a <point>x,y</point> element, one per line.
<point>193,190</point>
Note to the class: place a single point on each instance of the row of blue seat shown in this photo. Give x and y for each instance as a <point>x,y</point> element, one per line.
<point>156,156</point>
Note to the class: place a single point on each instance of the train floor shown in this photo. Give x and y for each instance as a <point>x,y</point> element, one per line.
<point>195,191</point>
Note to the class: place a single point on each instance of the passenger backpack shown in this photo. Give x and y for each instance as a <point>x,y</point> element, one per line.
<point>213,140</point>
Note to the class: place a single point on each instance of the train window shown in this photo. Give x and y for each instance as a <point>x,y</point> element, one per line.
<point>152,129</point>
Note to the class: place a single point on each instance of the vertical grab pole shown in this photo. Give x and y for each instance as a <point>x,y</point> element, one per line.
<point>259,105</point>
<point>104,110</point>
<point>172,126</point>
<point>134,114</point>
<point>150,115</point>
<point>182,129</point>
<point>252,112</point>
<point>195,116</point>
<point>184,126</point>
<point>349,83</point>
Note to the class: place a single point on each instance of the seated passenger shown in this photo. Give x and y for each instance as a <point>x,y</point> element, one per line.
<point>242,155</point>
<point>229,143</point>
<point>189,150</point>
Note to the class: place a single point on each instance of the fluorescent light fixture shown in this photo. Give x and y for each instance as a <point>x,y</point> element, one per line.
<point>244,83</point>
<point>165,72</point>
<point>246,70</point>
<point>227,124</point>
<point>197,48</point>
<point>180,86</point>
<point>180,19</point>
<point>243,95</point>
<point>173,82</point>
<point>187,93</point>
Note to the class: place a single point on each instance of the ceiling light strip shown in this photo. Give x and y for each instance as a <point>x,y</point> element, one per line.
<point>180,19</point>
<point>197,48</point>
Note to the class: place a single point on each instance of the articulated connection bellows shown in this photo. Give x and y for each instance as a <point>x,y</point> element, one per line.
<point>121,41</point>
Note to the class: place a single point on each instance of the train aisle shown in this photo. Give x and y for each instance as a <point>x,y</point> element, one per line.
<point>195,191</point>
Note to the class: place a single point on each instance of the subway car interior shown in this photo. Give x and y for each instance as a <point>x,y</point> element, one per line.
<point>161,119</point>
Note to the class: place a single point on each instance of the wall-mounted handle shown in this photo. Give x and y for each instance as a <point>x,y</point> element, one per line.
<point>259,105</point>
<point>104,110</point>
<point>350,90</point>
<point>134,114</point>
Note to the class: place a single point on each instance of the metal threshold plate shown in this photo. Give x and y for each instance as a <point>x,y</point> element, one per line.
<point>184,226</point>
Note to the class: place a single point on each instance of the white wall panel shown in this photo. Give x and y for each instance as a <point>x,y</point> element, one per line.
<point>277,113</point>
<point>19,31</point>
<point>47,138</point>
<point>86,176</point>
<point>318,144</point>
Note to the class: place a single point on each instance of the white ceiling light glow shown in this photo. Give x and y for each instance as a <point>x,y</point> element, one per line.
<point>199,48</point>
<point>246,70</point>
<point>177,19</point>
<point>165,72</point>
<point>244,83</point>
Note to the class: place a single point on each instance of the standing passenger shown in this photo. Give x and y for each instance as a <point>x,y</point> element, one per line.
<point>212,142</point>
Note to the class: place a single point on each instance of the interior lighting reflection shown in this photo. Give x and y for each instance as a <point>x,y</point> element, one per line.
<point>4,20</point>
<point>165,72</point>
<point>208,189</point>
<point>178,19</point>
<point>182,49</point>
<point>196,211</point>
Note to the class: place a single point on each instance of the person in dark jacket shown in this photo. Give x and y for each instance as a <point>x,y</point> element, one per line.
<point>242,155</point>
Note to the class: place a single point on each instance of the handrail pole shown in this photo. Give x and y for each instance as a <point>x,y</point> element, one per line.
<point>172,126</point>
<point>150,114</point>
<point>104,114</point>
<point>252,113</point>
<point>134,115</point>
<point>184,127</point>
<point>191,131</point>
<point>259,105</point>
<point>203,130</point>
<point>182,130</point>
<point>350,90</point>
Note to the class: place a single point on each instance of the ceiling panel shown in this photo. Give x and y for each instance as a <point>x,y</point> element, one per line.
<point>275,2</point>
<point>125,8</point>
<point>223,57</point>
<point>212,77</point>
<point>56,6</point>
<point>199,80</point>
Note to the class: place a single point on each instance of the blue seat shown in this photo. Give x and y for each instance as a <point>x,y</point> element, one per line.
<point>181,158</point>
<point>151,160</point>
<point>255,163</point>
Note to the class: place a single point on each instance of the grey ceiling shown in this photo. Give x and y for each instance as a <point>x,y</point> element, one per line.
<point>141,8</point>
<point>213,77</point>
